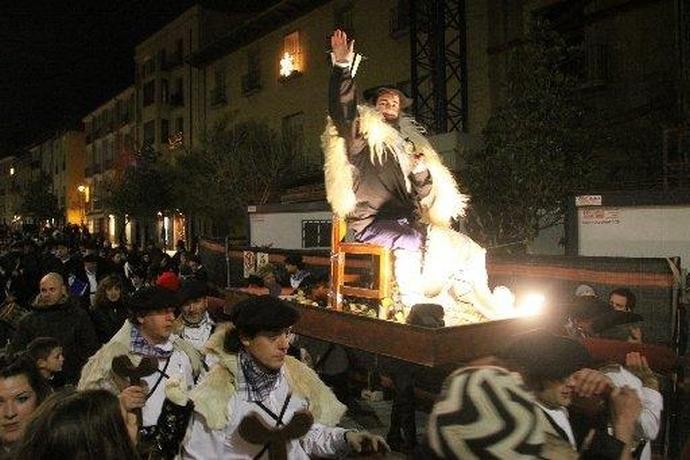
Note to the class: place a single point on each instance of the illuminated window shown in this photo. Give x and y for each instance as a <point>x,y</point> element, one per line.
<point>291,60</point>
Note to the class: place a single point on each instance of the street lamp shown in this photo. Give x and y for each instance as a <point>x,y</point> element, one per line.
<point>82,189</point>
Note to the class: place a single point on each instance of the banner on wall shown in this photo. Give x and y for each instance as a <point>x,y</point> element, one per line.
<point>249,262</point>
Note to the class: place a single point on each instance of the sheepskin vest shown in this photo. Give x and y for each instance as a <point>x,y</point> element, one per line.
<point>98,368</point>
<point>212,395</point>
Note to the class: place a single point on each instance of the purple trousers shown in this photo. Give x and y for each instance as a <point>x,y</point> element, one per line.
<point>393,234</point>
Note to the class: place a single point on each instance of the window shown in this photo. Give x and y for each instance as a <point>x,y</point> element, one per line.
<point>251,81</point>
<point>177,98</point>
<point>293,131</point>
<point>148,68</point>
<point>179,50</point>
<point>150,132</point>
<point>165,130</point>
<point>293,136</point>
<point>130,108</point>
<point>316,233</point>
<point>400,18</point>
<point>162,59</point>
<point>218,90</point>
<point>165,91</point>
<point>291,61</point>
<point>149,93</point>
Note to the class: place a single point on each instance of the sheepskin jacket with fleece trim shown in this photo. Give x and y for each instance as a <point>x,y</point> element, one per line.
<point>442,204</point>
<point>212,395</point>
<point>97,370</point>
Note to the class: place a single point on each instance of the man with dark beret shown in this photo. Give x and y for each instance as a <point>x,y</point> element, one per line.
<point>194,323</point>
<point>556,369</point>
<point>256,383</point>
<point>147,333</point>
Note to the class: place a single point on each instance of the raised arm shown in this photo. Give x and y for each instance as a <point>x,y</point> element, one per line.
<point>342,100</point>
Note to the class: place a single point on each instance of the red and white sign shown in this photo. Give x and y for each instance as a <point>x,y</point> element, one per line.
<point>600,216</point>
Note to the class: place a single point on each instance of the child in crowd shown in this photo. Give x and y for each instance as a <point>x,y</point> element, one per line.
<point>46,352</point>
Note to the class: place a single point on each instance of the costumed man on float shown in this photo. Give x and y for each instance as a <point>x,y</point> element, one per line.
<point>384,177</point>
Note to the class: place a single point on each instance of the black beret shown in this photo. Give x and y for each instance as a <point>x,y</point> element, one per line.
<point>192,290</point>
<point>546,356</point>
<point>153,298</point>
<point>587,307</point>
<point>263,313</point>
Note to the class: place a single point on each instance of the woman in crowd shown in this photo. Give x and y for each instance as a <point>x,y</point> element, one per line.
<point>82,425</point>
<point>109,311</point>
<point>22,389</point>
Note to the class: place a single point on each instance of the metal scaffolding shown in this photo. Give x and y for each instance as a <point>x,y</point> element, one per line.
<point>439,63</point>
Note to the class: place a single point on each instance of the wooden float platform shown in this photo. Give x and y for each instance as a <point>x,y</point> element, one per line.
<point>414,344</point>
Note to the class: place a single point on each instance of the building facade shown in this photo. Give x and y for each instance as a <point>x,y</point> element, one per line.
<point>110,145</point>
<point>9,192</point>
<point>166,86</point>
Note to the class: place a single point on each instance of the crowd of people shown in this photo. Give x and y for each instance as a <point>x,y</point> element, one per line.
<point>149,362</point>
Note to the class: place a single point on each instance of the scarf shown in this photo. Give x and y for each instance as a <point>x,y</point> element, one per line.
<point>141,346</point>
<point>259,382</point>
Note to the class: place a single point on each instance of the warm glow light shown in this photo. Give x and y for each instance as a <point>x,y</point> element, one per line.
<point>11,171</point>
<point>531,305</point>
<point>111,226</point>
<point>81,189</point>
<point>287,65</point>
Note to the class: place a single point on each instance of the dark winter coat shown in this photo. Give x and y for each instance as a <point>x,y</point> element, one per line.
<point>69,324</point>
<point>108,318</point>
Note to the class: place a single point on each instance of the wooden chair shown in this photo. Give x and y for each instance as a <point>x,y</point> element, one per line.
<point>339,251</point>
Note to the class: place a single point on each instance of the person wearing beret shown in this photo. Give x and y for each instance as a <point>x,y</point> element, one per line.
<point>556,369</point>
<point>254,383</point>
<point>194,323</point>
<point>147,333</point>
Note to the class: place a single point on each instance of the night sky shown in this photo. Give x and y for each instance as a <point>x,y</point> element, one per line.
<point>59,60</point>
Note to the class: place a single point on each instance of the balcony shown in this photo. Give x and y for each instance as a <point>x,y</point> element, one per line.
<point>251,83</point>
<point>218,96</point>
<point>171,63</point>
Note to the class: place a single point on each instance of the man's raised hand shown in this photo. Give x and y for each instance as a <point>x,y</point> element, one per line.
<point>341,49</point>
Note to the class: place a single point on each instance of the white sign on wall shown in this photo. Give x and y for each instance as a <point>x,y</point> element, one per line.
<point>600,216</point>
<point>635,231</point>
<point>588,200</point>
